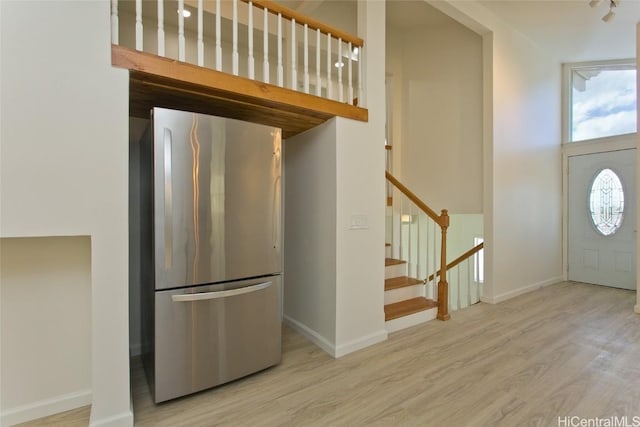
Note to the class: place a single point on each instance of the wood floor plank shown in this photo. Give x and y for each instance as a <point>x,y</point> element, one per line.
<point>566,350</point>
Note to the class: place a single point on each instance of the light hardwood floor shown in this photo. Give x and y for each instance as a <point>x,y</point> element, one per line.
<point>566,350</point>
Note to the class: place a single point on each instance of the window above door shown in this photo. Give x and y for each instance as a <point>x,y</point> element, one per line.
<point>599,100</point>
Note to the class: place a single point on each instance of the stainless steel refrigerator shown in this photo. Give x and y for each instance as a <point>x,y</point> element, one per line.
<point>211,260</point>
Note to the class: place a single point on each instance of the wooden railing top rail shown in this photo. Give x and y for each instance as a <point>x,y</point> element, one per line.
<point>442,220</point>
<point>460,259</point>
<point>291,14</point>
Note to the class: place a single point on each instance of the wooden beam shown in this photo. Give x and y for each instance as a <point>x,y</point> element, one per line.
<point>173,84</point>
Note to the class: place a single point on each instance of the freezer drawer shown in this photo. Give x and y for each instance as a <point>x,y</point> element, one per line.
<point>212,334</point>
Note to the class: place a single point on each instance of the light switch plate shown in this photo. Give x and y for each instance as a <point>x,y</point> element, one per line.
<point>359,222</point>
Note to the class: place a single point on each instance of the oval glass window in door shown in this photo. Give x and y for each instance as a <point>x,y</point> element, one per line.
<point>606,202</point>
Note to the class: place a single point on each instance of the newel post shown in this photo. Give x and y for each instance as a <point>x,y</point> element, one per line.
<point>443,286</point>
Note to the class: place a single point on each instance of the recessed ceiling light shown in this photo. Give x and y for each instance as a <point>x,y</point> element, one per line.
<point>185,12</point>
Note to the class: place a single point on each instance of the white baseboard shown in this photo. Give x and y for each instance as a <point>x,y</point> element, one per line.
<point>520,291</point>
<point>637,309</point>
<point>311,335</point>
<point>45,407</point>
<point>124,419</point>
<point>332,349</point>
<point>360,343</point>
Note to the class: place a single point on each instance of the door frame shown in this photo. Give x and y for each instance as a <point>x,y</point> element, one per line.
<point>595,146</point>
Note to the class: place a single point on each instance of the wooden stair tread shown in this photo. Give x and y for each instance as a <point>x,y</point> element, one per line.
<point>400,282</point>
<point>393,261</point>
<point>406,307</point>
<point>387,245</point>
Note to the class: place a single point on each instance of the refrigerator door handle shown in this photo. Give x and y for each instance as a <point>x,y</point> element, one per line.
<point>219,294</point>
<point>168,201</point>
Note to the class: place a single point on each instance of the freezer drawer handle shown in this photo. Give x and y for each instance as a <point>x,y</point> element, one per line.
<point>219,294</point>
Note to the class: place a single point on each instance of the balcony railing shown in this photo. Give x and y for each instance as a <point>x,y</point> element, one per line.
<point>259,40</point>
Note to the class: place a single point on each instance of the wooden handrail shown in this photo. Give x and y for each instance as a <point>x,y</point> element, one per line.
<point>459,260</point>
<point>442,220</point>
<point>291,14</point>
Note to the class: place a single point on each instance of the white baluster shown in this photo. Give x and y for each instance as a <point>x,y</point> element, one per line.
<point>329,65</point>
<point>234,56</point>
<point>318,82</point>
<point>250,30</point>
<point>401,245</point>
<point>409,239</point>
<point>340,66</point>
<point>218,38</point>
<point>294,71</point>
<point>138,24</point>
<point>306,58</point>
<point>459,286</point>
<point>200,38</point>
<point>265,46</point>
<point>280,68</point>
<point>360,77</point>
<point>181,39</point>
<point>350,91</point>
<point>469,281</point>
<point>114,22</point>
<point>435,255</point>
<point>160,28</point>
<point>418,257</point>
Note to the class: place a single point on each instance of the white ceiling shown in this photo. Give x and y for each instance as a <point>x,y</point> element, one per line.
<point>569,30</point>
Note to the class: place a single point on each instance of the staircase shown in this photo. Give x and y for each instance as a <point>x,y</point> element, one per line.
<point>419,283</point>
<point>405,303</point>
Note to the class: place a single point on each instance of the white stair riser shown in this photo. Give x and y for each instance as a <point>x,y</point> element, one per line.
<point>391,271</point>
<point>387,251</point>
<point>401,294</point>
<point>411,320</point>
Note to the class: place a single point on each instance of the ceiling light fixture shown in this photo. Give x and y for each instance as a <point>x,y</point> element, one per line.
<point>612,5</point>
<point>609,16</point>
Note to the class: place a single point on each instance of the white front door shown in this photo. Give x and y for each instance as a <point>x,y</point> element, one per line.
<point>601,219</point>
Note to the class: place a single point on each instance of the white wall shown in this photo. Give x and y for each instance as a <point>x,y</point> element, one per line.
<point>394,80</point>
<point>334,274</point>
<point>462,230</point>
<point>522,177</point>
<point>361,191</point>
<point>64,166</point>
<point>440,147</point>
<point>342,15</point>
<point>44,342</point>
<point>637,307</point>
<point>309,234</point>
